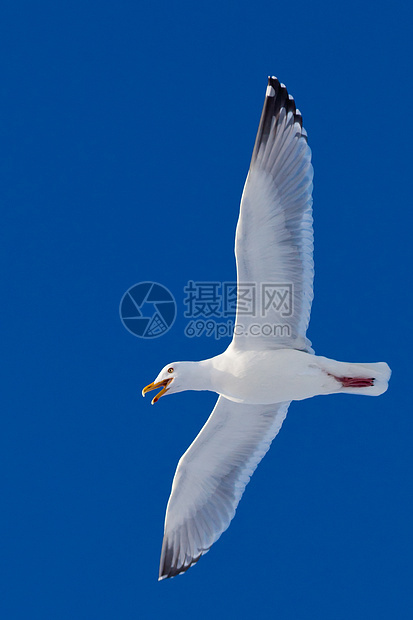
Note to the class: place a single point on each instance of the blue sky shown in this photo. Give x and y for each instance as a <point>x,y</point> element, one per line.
<point>126,134</point>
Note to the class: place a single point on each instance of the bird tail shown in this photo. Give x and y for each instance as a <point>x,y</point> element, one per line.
<point>363,379</point>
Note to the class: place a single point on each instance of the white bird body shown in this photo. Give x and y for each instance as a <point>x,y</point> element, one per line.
<point>279,375</point>
<point>270,361</point>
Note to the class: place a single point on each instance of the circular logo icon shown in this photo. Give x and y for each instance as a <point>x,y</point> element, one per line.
<point>147,310</point>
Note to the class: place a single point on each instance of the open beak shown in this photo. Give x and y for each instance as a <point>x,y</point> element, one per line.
<point>154,386</point>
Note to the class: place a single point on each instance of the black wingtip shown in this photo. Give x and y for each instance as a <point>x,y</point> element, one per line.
<point>276,98</point>
<point>172,571</point>
<point>168,568</point>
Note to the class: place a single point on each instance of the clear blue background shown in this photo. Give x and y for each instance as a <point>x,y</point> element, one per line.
<point>126,133</point>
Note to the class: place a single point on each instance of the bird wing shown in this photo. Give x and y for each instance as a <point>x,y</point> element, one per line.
<point>274,238</point>
<point>211,477</point>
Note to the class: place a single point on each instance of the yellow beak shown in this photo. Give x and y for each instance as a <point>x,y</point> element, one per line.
<point>154,386</point>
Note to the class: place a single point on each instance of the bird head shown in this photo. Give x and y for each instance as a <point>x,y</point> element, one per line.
<point>168,380</point>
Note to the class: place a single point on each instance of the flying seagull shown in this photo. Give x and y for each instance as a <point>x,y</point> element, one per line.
<point>270,361</point>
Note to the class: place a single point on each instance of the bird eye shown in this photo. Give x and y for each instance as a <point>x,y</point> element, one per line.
<point>170,369</point>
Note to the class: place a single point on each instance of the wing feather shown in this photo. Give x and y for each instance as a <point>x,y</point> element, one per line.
<point>211,477</point>
<point>274,246</point>
<point>274,240</point>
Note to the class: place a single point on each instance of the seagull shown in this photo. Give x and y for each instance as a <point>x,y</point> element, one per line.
<point>269,362</point>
